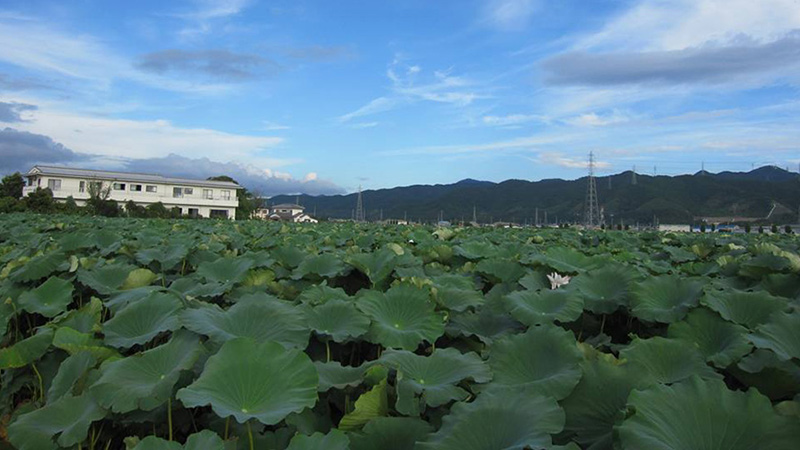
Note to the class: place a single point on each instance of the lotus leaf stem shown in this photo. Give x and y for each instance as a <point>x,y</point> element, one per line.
<point>328,350</point>
<point>227,427</point>
<point>169,416</point>
<point>41,385</point>
<point>250,435</point>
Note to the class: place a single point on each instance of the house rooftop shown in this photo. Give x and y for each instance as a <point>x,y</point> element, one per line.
<point>126,176</point>
<point>288,206</point>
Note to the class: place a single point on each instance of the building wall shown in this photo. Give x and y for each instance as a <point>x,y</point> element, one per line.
<point>163,193</point>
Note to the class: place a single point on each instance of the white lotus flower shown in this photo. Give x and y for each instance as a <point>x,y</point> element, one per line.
<point>557,280</point>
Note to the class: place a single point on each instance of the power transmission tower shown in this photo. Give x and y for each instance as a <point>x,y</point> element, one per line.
<point>474,214</point>
<point>359,207</point>
<point>536,220</point>
<point>592,207</point>
<point>633,176</point>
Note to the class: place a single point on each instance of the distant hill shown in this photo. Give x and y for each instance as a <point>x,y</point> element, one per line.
<point>678,199</point>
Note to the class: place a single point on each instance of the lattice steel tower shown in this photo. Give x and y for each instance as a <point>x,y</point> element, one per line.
<point>592,206</point>
<point>360,207</point>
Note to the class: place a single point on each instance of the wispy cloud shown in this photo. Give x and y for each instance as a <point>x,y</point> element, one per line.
<point>12,112</point>
<point>561,160</point>
<point>362,125</point>
<point>272,126</point>
<point>509,15</point>
<point>406,88</point>
<point>205,13</point>
<point>524,143</point>
<point>215,64</point>
<point>596,120</point>
<point>512,120</point>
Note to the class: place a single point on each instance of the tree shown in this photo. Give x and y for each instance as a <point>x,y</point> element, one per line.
<point>12,186</point>
<point>747,228</point>
<point>713,227</point>
<point>249,202</point>
<point>774,228</point>
<point>760,229</point>
<point>787,229</point>
<point>69,206</point>
<point>40,200</point>
<point>98,201</point>
<point>10,205</point>
<point>134,210</point>
<point>702,228</point>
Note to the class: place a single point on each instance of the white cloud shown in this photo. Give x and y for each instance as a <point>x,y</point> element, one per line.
<point>272,126</point>
<point>375,106</point>
<point>311,176</point>
<point>362,125</point>
<point>595,120</point>
<point>509,15</point>
<point>205,13</point>
<point>511,119</point>
<point>559,159</point>
<point>524,143</point>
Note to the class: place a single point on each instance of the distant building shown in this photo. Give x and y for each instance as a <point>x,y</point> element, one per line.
<point>287,212</point>
<point>395,222</point>
<point>198,198</point>
<point>675,228</point>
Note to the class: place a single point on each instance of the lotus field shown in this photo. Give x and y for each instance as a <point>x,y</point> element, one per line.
<point>155,334</point>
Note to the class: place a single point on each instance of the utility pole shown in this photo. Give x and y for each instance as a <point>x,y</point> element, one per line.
<point>359,215</point>
<point>592,206</point>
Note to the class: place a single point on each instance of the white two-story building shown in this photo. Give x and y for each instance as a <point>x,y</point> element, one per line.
<point>201,198</point>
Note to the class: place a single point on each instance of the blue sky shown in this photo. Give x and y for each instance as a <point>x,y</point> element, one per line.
<point>320,96</point>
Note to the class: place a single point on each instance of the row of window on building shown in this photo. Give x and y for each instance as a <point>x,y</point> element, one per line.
<point>177,192</point>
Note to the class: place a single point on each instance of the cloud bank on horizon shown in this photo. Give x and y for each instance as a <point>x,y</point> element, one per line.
<point>294,96</point>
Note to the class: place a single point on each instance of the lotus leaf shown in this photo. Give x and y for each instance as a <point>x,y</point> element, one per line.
<point>50,299</point>
<point>378,266</point>
<point>435,376</point>
<point>145,381</point>
<point>73,341</point>
<point>700,413</point>
<point>781,335</point>
<point>486,324</point>
<point>664,299</point>
<point>390,433</point>
<point>334,375</point>
<point>606,289</point>
<point>258,316</point>
<point>534,308</point>
<point>68,417</point>
<point>666,360</point>
<point>40,267</point>
<point>105,279</point>
<point>543,360</point>
<point>371,404</point>
<point>27,350</point>
<point>140,322</point>
<point>138,278</point>
<point>335,440</point>
<point>246,379</point>
<point>500,270</point>
<point>750,309</point>
<point>70,371</point>
<point>325,265</point>
<point>403,317</point>
<point>225,270</point>
<point>721,342</point>
<point>338,319</point>
<point>499,423</point>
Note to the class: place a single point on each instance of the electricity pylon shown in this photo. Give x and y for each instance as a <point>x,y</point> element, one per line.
<point>592,207</point>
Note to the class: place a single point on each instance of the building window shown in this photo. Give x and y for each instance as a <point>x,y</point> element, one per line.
<point>177,192</point>
<point>82,186</point>
<point>218,213</point>
<point>136,188</point>
<point>188,191</point>
<point>226,195</point>
<point>119,186</point>
<point>208,194</point>
<point>150,188</point>
<point>54,184</point>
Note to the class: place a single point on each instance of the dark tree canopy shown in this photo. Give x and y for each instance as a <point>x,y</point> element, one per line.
<point>12,186</point>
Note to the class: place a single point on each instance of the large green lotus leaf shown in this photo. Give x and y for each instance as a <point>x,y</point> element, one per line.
<point>85,319</point>
<point>193,287</point>
<point>321,293</point>
<point>140,322</point>
<point>543,360</point>
<point>73,342</point>
<point>167,256</point>
<point>326,265</point>
<point>704,414</point>
<point>486,324</point>
<point>378,266</point>
<point>538,307</point>
<point>764,264</point>
<point>138,278</point>
<point>258,316</point>
<point>334,440</point>
<point>456,292</point>
<point>338,319</point>
<point>666,360</point>
<point>225,270</point>
<point>371,404</point>
<point>664,299</point>
<point>390,433</point>
<point>27,350</point>
<point>68,417</point>
<point>781,335</point>
<point>679,255</point>
<point>764,371</point>
<point>563,260</point>
<point>40,266</point>
<point>750,309</point>
<point>69,372</point>
<point>105,279</point>
<point>289,256</point>
<point>436,376</point>
<point>598,401</point>
<point>534,281</point>
<point>476,249</point>
<point>510,422</point>
<point>250,380</point>
<point>50,299</point>
<point>499,270</point>
<point>122,299</point>
<point>606,289</point>
<point>403,317</point>
<point>721,342</point>
<point>782,284</point>
<point>334,375</point>
<point>145,380</point>
<point>155,443</point>
<point>204,440</point>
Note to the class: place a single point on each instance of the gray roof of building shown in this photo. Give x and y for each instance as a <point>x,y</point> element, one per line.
<point>127,176</point>
<point>288,206</point>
